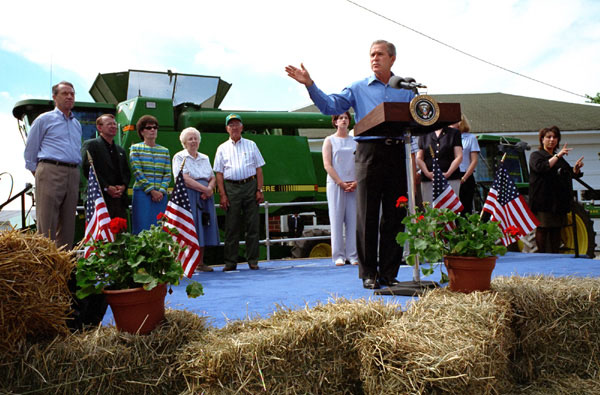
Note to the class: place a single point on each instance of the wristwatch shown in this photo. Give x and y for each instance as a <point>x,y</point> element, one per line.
<point>259,190</point>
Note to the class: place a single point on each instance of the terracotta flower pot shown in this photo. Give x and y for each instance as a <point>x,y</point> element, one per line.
<point>137,310</point>
<point>468,274</point>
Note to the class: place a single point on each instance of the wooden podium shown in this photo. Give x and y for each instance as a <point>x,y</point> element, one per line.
<point>393,120</point>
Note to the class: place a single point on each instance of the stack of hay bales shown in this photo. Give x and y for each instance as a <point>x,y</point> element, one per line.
<point>557,323</point>
<point>446,343</point>
<point>105,361</point>
<point>302,351</point>
<point>34,296</point>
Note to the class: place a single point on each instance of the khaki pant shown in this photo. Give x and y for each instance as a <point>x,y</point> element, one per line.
<point>56,193</point>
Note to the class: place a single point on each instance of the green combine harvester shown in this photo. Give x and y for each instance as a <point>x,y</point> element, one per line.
<point>292,172</point>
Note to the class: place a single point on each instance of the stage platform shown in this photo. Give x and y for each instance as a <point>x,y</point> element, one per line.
<point>296,283</point>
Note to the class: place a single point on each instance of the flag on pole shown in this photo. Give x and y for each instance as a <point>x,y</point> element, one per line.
<point>443,194</point>
<point>96,214</point>
<point>508,207</point>
<point>179,217</point>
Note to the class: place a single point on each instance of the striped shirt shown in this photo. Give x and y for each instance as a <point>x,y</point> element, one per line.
<point>238,161</point>
<point>151,167</point>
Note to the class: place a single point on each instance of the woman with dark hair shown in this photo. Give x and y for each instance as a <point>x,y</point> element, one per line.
<point>550,188</point>
<point>151,166</point>
<point>338,160</point>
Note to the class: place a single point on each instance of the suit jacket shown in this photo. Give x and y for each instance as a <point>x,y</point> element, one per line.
<point>103,164</point>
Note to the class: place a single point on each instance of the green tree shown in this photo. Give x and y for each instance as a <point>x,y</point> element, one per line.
<point>594,99</point>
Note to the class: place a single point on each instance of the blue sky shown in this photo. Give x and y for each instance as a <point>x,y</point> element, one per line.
<point>249,43</point>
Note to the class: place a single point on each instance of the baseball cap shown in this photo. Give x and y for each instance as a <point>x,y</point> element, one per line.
<point>232,116</point>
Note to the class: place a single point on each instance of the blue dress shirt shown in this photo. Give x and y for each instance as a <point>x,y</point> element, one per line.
<point>363,96</point>
<point>53,136</point>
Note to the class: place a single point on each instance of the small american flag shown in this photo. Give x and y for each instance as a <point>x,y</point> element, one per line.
<point>443,195</point>
<point>508,207</point>
<point>179,217</point>
<point>96,215</point>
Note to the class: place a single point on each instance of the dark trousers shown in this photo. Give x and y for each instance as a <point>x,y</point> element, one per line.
<point>381,177</point>
<point>466,194</point>
<point>242,209</point>
<point>116,207</point>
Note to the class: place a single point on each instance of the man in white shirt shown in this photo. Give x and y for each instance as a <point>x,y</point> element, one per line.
<point>238,166</point>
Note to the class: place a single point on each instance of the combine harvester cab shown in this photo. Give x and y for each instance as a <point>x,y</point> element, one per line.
<point>292,172</point>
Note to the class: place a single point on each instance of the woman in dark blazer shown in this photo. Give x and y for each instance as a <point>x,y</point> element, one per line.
<point>550,188</point>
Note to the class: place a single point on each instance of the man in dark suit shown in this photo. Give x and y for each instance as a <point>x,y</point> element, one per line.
<point>111,165</point>
<point>295,225</point>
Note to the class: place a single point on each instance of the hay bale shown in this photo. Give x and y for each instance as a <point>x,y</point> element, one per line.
<point>104,360</point>
<point>557,322</point>
<point>311,350</point>
<point>560,385</point>
<point>34,296</point>
<point>445,343</point>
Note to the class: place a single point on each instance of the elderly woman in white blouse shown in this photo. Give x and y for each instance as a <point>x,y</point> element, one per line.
<point>200,182</point>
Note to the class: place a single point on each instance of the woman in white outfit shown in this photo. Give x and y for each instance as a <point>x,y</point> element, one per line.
<point>338,160</point>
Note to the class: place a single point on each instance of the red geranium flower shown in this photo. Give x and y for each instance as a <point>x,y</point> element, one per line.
<point>401,202</point>
<point>420,218</point>
<point>117,224</point>
<point>512,231</point>
<point>160,216</point>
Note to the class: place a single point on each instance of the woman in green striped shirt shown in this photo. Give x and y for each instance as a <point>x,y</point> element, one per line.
<point>151,166</point>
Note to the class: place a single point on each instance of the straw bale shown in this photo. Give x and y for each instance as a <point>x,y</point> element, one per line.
<point>445,343</point>
<point>34,296</point>
<point>104,360</point>
<point>557,322</point>
<point>311,350</point>
<point>560,385</point>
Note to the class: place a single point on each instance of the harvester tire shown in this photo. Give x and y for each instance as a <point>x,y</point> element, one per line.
<point>586,236</point>
<point>312,248</point>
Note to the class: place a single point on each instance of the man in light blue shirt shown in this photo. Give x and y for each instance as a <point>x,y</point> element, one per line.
<point>52,154</point>
<point>380,165</point>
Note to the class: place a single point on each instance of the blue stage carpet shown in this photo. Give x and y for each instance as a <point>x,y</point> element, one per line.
<point>294,283</point>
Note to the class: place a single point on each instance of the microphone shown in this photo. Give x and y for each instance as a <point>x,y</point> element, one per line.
<point>398,82</point>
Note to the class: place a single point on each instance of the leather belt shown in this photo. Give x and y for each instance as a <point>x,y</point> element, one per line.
<point>392,141</point>
<point>244,181</point>
<point>58,163</point>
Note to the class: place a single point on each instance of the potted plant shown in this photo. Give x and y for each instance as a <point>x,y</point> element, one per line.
<point>132,271</point>
<point>468,245</point>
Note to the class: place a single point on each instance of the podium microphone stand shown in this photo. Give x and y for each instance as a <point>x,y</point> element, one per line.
<point>421,116</point>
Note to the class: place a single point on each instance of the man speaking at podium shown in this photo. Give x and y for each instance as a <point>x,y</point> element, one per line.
<point>380,165</point>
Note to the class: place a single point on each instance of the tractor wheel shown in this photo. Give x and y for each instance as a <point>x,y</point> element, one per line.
<point>312,248</point>
<point>586,236</point>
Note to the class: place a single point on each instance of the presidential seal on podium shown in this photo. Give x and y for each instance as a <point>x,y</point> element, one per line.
<point>424,110</point>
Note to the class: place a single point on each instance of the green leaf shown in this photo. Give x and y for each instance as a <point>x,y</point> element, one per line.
<point>142,277</point>
<point>194,289</point>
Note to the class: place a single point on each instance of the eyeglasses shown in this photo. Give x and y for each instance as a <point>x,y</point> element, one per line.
<point>151,127</point>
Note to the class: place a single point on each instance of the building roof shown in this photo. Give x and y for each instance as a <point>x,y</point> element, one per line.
<point>502,113</point>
